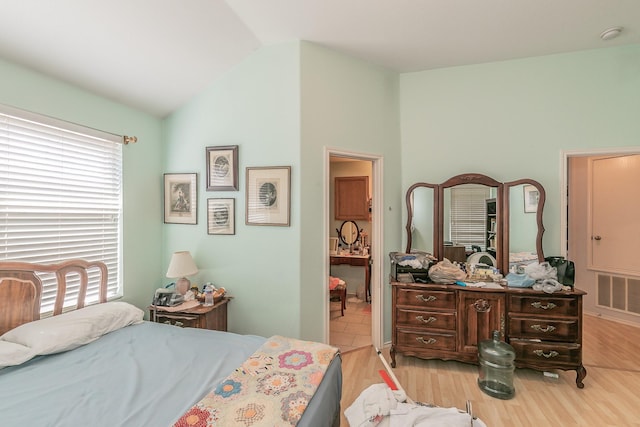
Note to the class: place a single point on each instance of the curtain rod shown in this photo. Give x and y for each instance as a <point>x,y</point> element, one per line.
<point>64,124</point>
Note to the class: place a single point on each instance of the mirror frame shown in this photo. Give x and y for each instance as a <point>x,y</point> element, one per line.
<point>539,213</point>
<point>341,235</point>
<point>436,199</point>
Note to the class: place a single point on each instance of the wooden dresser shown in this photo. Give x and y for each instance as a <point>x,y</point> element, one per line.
<point>447,322</point>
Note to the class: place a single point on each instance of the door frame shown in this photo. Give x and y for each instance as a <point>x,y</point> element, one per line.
<point>377,238</point>
<point>564,182</point>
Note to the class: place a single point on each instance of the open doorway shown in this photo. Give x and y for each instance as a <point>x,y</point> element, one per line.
<point>598,207</point>
<point>353,319</point>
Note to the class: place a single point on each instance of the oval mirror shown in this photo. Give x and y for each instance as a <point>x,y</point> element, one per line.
<point>523,228</point>
<point>349,232</point>
<point>421,214</point>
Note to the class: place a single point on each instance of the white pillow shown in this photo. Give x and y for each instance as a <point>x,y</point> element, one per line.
<point>75,328</point>
<point>13,354</point>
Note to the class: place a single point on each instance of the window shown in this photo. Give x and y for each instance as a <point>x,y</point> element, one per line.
<point>60,198</point>
<point>468,215</point>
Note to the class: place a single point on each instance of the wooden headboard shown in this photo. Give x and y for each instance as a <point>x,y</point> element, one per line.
<point>21,289</point>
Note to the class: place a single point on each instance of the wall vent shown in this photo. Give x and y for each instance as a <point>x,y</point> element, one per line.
<point>620,293</point>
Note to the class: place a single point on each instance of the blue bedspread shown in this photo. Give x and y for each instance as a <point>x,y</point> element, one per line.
<point>142,375</point>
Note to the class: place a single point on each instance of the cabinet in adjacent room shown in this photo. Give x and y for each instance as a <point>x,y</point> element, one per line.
<point>352,198</point>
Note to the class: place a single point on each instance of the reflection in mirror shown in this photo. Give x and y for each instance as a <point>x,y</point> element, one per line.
<point>524,200</point>
<point>349,232</point>
<point>467,219</point>
<point>422,224</point>
<point>421,200</point>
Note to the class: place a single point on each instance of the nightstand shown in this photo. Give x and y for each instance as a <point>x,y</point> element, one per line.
<point>213,317</point>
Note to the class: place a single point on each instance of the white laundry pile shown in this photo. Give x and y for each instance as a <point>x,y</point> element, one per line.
<point>379,406</point>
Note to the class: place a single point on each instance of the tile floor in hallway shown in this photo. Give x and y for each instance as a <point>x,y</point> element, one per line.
<point>353,330</point>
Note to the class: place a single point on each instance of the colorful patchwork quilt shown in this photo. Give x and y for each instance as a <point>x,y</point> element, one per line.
<point>272,387</point>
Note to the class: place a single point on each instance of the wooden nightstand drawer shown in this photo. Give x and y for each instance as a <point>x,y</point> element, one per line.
<point>426,299</point>
<point>543,329</point>
<point>210,317</point>
<point>184,321</point>
<point>553,306</point>
<point>426,319</point>
<point>546,352</point>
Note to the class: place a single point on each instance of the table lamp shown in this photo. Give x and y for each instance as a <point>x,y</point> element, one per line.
<point>182,265</point>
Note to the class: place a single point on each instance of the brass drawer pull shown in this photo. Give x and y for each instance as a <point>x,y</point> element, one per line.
<point>423,320</point>
<point>427,342</point>
<point>538,304</point>
<point>427,299</point>
<point>552,353</point>
<point>549,328</point>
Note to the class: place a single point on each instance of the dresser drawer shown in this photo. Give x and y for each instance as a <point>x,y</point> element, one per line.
<point>546,352</point>
<point>426,319</point>
<point>426,340</point>
<point>544,329</point>
<point>426,299</point>
<point>552,306</point>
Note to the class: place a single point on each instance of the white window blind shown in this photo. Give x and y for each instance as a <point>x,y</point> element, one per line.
<point>469,215</point>
<point>60,198</point>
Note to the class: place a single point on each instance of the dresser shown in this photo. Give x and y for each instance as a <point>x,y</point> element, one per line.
<point>433,321</point>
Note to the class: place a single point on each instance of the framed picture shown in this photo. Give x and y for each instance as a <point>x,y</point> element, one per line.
<point>268,195</point>
<point>180,198</point>
<point>221,216</point>
<point>531,197</point>
<point>222,168</point>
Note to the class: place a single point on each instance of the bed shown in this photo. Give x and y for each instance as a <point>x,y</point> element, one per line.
<point>103,365</point>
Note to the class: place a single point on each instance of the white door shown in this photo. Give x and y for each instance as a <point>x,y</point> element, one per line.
<point>615,214</point>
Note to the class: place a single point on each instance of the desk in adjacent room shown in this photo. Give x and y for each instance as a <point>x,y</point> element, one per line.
<point>357,261</point>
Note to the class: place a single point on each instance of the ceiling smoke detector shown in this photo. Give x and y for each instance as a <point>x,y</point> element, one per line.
<point>610,33</point>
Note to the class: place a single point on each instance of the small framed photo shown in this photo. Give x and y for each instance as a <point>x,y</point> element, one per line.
<point>180,198</point>
<point>268,195</point>
<point>221,216</point>
<point>531,198</point>
<point>222,168</point>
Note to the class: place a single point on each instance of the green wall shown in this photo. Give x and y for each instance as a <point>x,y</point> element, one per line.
<point>142,230</point>
<point>256,106</point>
<point>512,119</point>
<point>280,110</point>
<point>350,105</point>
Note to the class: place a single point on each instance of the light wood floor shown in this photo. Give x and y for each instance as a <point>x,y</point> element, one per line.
<point>610,397</point>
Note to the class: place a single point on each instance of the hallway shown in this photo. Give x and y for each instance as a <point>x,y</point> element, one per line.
<point>353,330</point>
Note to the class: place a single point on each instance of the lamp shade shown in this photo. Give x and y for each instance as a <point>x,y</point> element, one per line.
<point>181,265</point>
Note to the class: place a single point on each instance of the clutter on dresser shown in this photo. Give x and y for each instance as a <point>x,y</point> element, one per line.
<point>411,267</point>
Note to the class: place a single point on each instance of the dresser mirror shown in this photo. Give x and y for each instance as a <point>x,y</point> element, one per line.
<point>421,200</point>
<point>523,206</point>
<point>507,229</point>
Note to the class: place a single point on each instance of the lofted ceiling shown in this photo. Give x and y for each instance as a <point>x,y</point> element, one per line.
<point>154,55</point>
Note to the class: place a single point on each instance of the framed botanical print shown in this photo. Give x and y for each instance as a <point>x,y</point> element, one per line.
<point>268,195</point>
<point>222,168</point>
<point>221,215</point>
<point>180,198</point>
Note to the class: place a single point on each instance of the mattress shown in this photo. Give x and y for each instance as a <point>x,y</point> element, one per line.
<point>147,374</point>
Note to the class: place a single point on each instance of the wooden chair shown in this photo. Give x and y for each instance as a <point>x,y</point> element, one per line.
<point>340,292</point>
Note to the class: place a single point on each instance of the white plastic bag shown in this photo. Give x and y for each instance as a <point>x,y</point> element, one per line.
<point>446,272</point>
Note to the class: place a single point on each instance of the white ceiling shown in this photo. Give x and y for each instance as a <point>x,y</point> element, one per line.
<point>155,55</point>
